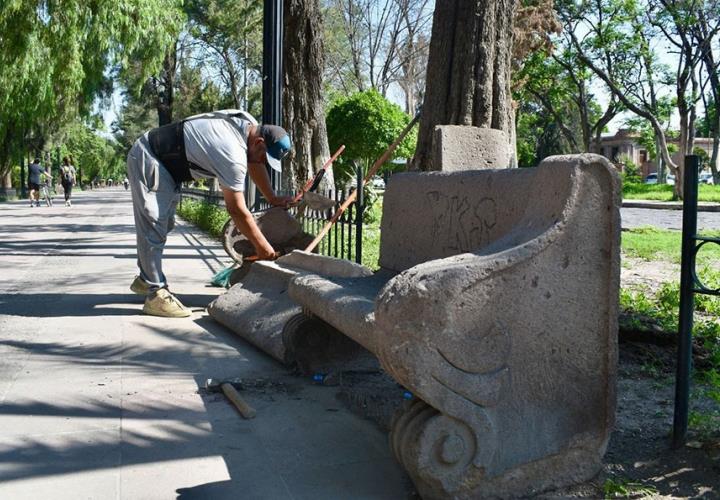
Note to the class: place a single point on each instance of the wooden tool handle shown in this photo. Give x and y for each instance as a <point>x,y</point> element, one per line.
<point>353,196</point>
<point>245,409</point>
<point>311,181</point>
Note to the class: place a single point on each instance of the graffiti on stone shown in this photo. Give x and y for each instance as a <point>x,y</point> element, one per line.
<point>459,223</point>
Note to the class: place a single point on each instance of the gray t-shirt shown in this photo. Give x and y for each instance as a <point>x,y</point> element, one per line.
<point>34,173</point>
<point>219,148</point>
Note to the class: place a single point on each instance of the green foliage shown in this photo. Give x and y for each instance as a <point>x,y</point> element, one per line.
<point>624,488</point>
<point>206,216</point>
<point>230,36</point>
<point>94,155</point>
<point>705,123</point>
<point>631,172</point>
<point>664,192</point>
<point>367,124</point>
<point>54,58</point>
<point>371,237</point>
<point>704,157</point>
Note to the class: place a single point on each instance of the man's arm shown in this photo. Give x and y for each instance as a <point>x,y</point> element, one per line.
<point>245,222</point>
<point>258,173</point>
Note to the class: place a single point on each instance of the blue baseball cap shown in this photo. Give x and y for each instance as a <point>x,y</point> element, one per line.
<point>278,144</point>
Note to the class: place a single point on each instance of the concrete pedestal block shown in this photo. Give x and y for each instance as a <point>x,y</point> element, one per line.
<point>460,147</point>
<point>497,308</point>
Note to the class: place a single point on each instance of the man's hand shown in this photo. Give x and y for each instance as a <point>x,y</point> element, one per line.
<point>281,201</point>
<point>245,222</point>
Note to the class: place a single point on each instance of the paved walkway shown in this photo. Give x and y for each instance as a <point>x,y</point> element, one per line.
<point>98,401</point>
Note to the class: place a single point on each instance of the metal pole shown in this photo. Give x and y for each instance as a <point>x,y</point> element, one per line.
<point>272,70</point>
<point>359,203</point>
<point>687,298</point>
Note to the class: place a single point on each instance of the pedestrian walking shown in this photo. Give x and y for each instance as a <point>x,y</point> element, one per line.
<point>67,179</point>
<point>224,145</point>
<point>35,171</point>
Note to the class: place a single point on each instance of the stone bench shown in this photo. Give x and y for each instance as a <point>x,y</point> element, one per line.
<point>496,305</point>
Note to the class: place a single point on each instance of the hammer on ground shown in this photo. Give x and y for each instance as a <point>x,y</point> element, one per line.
<point>227,387</point>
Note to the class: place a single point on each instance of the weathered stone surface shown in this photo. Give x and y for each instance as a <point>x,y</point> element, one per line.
<point>280,228</point>
<point>258,307</point>
<point>460,147</point>
<point>500,314</point>
<point>322,265</point>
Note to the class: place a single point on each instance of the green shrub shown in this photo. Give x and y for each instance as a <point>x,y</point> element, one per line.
<point>206,216</point>
<point>366,123</point>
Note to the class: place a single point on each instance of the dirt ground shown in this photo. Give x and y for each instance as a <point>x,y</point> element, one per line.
<point>639,458</point>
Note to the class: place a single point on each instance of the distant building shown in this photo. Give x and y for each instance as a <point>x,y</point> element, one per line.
<point>624,146</point>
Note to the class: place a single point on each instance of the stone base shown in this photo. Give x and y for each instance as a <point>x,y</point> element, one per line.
<point>437,453</point>
<point>459,147</point>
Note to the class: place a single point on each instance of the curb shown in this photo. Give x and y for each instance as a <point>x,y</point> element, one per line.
<point>669,205</point>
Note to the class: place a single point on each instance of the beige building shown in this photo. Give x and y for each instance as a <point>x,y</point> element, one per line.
<point>624,146</point>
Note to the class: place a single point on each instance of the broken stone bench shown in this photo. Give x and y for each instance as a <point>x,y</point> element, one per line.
<point>497,307</point>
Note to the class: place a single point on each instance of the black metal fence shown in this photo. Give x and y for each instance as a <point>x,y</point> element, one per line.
<point>344,240</point>
<point>690,284</point>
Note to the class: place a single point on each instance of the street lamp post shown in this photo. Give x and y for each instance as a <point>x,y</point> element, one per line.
<point>272,70</point>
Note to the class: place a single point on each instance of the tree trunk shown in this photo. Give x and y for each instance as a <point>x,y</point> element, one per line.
<point>303,107</point>
<point>470,57</point>
<point>166,96</point>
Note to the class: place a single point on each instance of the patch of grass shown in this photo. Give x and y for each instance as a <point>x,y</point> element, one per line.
<point>371,237</point>
<point>650,243</point>
<point>624,488</point>
<point>664,192</point>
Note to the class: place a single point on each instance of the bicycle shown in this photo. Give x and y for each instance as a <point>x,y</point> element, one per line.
<point>45,194</point>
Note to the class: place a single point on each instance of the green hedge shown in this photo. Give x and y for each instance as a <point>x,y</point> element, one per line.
<point>208,217</point>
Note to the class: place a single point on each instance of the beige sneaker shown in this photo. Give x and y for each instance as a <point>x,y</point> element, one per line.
<point>140,286</point>
<point>165,304</point>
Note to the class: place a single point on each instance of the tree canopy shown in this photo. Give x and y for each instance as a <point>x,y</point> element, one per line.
<point>58,56</point>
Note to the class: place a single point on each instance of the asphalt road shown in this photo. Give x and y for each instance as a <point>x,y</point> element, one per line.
<point>98,401</point>
<point>666,219</point>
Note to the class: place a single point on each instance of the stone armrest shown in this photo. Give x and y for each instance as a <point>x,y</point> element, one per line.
<point>451,311</point>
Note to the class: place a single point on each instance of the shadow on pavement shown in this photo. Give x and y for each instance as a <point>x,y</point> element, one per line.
<point>56,305</point>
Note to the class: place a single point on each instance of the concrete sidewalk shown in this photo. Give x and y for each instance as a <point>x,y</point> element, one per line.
<point>98,401</point>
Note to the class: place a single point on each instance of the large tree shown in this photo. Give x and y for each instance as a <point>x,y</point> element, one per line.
<point>230,32</point>
<point>613,39</point>
<point>303,106</point>
<point>376,44</point>
<point>470,60</point>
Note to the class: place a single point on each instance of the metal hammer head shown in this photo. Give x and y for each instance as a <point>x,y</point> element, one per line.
<point>215,384</point>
